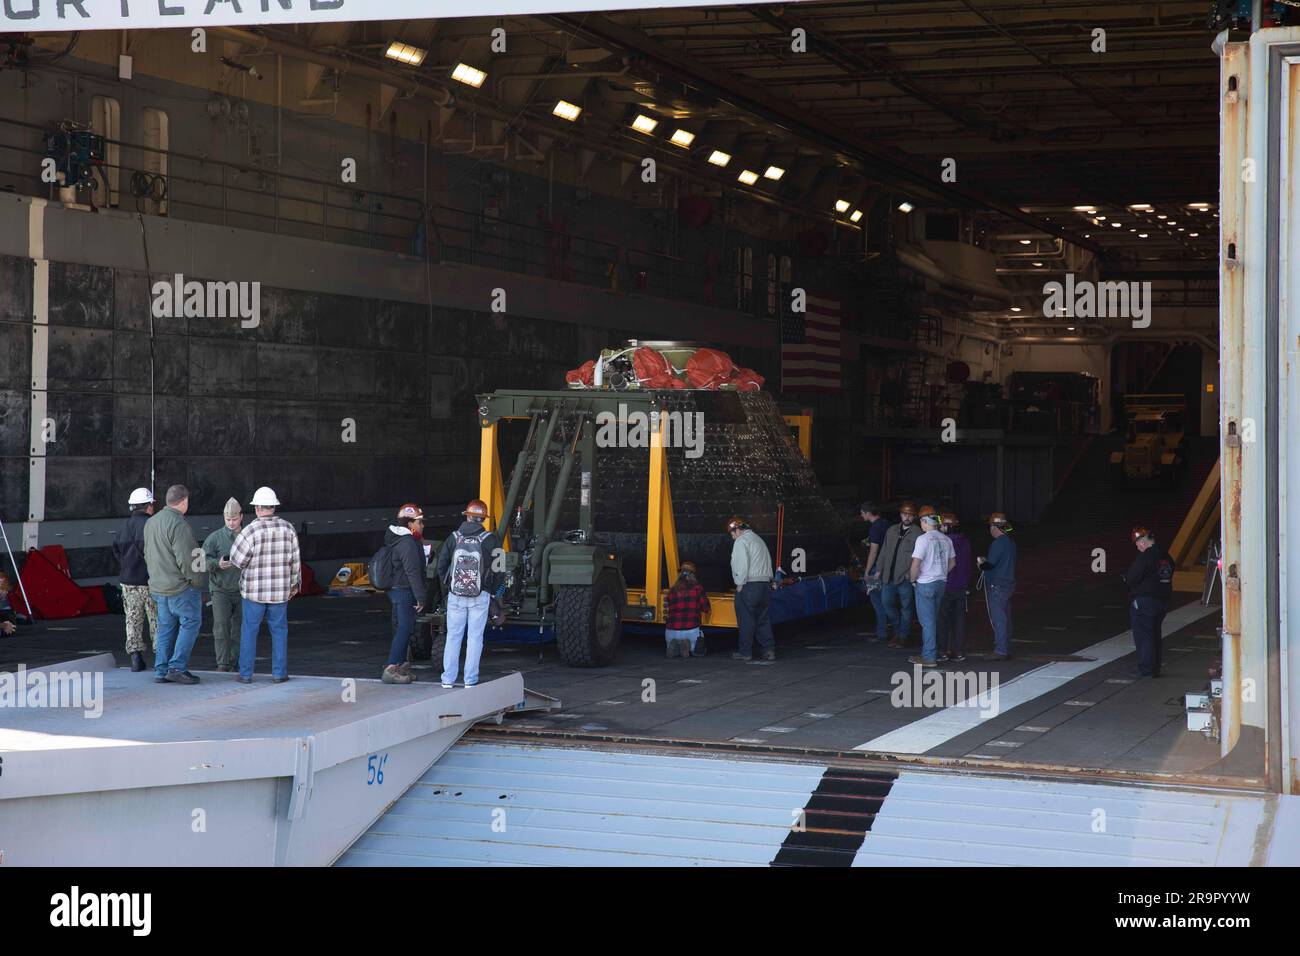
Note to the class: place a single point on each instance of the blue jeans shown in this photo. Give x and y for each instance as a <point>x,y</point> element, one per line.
<point>1146,614</point>
<point>900,595</point>
<point>179,616</point>
<point>404,606</point>
<point>877,599</point>
<point>998,595</point>
<point>464,614</point>
<point>277,620</point>
<point>691,635</point>
<point>928,598</point>
<point>752,621</point>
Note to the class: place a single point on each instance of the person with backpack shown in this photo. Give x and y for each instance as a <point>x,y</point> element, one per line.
<point>1150,585</point>
<point>687,603</point>
<point>465,570</point>
<point>405,560</point>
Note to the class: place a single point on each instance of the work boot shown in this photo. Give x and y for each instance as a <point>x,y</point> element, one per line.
<point>701,647</point>
<point>404,669</point>
<point>923,662</point>
<point>684,649</point>
<point>769,655</point>
<point>671,649</point>
<point>180,677</point>
<point>137,661</point>
<point>223,669</point>
<point>392,675</point>
<point>737,656</point>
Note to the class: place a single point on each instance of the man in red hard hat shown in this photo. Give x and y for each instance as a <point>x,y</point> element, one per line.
<point>465,570</point>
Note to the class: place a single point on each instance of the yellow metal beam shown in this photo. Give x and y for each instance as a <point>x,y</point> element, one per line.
<point>803,429</point>
<point>490,486</point>
<point>1190,541</point>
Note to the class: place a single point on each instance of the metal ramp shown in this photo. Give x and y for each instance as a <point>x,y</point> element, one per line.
<point>220,773</point>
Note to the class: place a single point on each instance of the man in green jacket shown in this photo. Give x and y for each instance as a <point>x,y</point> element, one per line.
<point>223,585</point>
<point>175,564</point>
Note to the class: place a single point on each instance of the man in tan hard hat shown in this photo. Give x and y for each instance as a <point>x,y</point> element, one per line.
<point>133,574</point>
<point>751,570</point>
<point>267,552</point>
<point>223,585</point>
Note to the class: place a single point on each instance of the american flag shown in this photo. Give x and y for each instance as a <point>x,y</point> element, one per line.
<point>810,346</point>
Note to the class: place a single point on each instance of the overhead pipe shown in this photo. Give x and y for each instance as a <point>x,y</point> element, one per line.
<point>919,262</point>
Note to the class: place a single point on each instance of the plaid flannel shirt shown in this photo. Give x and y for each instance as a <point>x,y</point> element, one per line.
<point>267,552</point>
<point>684,610</point>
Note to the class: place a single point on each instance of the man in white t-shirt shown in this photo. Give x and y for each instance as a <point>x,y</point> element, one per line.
<point>932,559</point>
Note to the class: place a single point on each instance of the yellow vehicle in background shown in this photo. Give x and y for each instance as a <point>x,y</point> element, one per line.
<point>1155,440</point>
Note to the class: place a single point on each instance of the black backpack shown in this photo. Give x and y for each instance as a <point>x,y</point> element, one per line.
<point>380,569</point>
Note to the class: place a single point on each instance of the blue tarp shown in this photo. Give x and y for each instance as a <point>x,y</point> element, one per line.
<point>806,598</point>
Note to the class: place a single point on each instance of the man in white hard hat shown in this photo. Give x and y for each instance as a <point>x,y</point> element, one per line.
<point>133,574</point>
<point>267,552</point>
<point>223,585</point>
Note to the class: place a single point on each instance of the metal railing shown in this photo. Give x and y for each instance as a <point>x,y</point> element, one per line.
<point>203,189</point>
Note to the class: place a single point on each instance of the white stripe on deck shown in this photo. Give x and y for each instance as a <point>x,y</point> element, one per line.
<point>940,727</point>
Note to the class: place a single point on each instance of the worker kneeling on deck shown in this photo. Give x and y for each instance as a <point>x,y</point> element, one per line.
<point>932,560</point>
<point>406,556</point>
<point>267,552</point>
<point>688,604</point>
<point>751,569</point>
<point>465,570</point>
<point>1150,584</point>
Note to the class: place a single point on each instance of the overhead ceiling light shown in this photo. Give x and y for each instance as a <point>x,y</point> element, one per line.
<point>566,110</point>
<point>1085,208</point>
<point>1117,224</point>
<point>1172,222</point>
<point>748,177</point>
<point>1161,215</point>
<point>405,53</point>
<point>719,158</point>
<point>682,138</point>
<point>1015,308</point>
<point>773,173</point>
<point>464,73</point>
<point>1201,206</point>
<point>1142,235</point>
<point>644,124</point>
<point>905,206</point>
<point>857,214</point>
<point>1181,229</point>
<point>841,205</point>
<point>1024,242</point>
<point>1069,328</point>
<point>1141,207</point>
<point>1038,265</point>
<point>1192,235</point>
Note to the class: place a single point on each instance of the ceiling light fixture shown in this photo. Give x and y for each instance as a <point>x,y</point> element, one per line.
<point>566,110</point>
<point>719,158</point>
<point>773,173</point>
<point>1141,207</point>
<point>682,138</point>
<point>405,53</point>
<point>644,124</point>
<point>748,177</point>
<point>1024,242</point>
<point>857,214</point>
<point>905,206</point>
<point>464,73</point>
<point>841,205</point>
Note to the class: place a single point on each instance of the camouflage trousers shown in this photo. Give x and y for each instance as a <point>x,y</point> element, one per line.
<point>227,622</point>
<point>137,603</point>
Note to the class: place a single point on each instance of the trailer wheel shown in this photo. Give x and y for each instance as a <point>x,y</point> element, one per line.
<point>428,641</point>
<point>589,621</point>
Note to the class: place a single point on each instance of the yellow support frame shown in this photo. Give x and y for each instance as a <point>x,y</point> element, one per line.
<point>1188,546</point>
<point>661,528</point>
